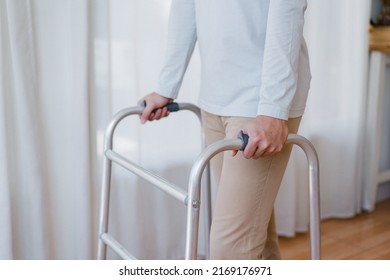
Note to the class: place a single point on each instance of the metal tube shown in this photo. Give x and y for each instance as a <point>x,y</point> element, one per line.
<point>156,180</point>
<point>192,229</point>
<point>314,192</point>
<point>191,107</point>
<point>106,179</point>
<point>117,247</point>
<point>207,215</point>
<point>236,144</point>
<point>206,184</point>
<point>104,207</point>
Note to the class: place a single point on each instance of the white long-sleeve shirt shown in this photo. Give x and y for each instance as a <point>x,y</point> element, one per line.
<point>254,60</point>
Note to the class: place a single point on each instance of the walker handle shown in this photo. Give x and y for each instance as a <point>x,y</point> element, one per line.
<point>172,107</point>
<point>244,138</point>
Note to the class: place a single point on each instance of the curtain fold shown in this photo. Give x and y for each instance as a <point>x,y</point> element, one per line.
<point>21,113</point>
<point>68,66</point>
<point>5,213</point>
<point>5,198</point>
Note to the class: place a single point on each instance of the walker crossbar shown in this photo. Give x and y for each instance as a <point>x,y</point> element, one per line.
<point>117,247</point>
<point>192,199</point>
<point>156,180</point>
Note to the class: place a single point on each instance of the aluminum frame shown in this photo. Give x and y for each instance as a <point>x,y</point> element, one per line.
<point>193,197</point>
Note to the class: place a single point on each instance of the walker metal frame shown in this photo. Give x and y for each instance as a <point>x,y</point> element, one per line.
<point>192,198</point>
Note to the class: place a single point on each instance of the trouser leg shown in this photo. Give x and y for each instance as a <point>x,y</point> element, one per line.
<point>243,225</point>
<point>271,249</point>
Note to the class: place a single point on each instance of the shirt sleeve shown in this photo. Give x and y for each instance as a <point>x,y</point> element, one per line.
<point>180,46</point>
<point>281,55</point>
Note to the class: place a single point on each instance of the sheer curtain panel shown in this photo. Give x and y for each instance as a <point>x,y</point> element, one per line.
<point>47,133</point>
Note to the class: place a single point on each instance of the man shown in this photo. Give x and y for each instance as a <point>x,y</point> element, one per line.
<point>255,77</point>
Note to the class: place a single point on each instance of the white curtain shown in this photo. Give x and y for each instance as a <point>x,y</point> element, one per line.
<point>68,66</point>
<point>48,150</point>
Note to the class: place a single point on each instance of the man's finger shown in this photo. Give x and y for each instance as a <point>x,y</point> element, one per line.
<point>146,113</point>
<point>250,149</point>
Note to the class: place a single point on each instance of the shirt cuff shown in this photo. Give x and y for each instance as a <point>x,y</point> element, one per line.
<point>271,110</point>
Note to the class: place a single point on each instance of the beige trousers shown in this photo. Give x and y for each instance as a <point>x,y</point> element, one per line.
<point>243,225</point>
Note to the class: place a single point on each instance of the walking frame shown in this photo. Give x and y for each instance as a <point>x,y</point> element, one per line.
<point>192,198</point>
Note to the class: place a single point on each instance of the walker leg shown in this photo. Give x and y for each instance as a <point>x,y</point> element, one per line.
<point>207,214</point>
<point>104,208</point>
<point>314,193</point>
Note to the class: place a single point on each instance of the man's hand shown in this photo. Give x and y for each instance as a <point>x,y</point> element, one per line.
<point>154,101</point>
<point>267,136</point>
